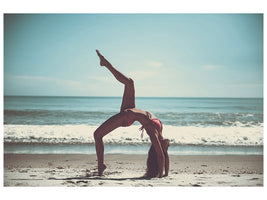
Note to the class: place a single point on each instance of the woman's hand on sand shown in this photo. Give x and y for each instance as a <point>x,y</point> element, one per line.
<point>165,144</point>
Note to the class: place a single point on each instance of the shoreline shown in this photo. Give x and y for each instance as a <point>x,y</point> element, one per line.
<point>128,149</point>
<point>126,170</point>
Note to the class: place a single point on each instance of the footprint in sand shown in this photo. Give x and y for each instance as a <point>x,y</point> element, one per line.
<point>81,181</point>
<point>23,171</point>
<point>70,182</point>
<point>236,175</point>
<point>196,185</point>
<point>254,179</point>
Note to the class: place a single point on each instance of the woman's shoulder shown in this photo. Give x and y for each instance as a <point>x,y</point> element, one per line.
<point>152,116</point>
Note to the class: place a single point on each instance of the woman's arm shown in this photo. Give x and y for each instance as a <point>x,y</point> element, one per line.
<point>165,145</point>
<point>166,164</point>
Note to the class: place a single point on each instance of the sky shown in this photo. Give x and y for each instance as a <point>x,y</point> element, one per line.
<point>167,55</point>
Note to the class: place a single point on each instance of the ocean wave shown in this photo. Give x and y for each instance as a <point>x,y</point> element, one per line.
<point>63,117</point>
<point>178,135</point>
<point>54,117</point>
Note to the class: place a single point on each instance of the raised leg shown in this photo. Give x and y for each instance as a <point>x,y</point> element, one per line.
<point>112,123</point>
<point>128,100</point>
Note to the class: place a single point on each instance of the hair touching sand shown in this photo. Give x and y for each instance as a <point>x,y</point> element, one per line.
<point>152,163</point>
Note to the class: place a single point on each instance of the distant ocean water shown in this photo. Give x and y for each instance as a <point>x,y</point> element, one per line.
<point>195,126</point>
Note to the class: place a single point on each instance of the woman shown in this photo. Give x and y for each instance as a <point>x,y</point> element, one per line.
<point>158,156</point>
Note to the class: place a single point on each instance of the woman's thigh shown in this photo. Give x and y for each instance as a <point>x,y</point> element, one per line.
<point>111,124</point>
<point>128,99</point>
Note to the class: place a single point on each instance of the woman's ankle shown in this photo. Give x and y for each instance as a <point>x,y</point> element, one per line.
<point>101,168</point>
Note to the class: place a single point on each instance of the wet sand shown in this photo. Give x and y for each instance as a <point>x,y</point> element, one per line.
<point>126,170</point>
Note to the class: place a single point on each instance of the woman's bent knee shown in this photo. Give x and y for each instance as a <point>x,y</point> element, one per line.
<point>130,82</point>
<point>97,135</point>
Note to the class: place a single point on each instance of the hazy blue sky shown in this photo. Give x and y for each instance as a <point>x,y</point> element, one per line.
<point>180,55</point>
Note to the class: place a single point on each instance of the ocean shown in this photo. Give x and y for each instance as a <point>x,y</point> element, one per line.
<point>194,126</point>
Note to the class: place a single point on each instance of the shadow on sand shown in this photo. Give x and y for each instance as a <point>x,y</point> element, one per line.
<point>93,175</point>
<point>100,178</point>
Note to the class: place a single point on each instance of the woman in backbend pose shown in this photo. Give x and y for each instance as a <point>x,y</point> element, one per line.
<point>158,158</point>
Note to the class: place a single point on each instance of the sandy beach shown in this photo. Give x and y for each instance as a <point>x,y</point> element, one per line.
<point>125,170</point>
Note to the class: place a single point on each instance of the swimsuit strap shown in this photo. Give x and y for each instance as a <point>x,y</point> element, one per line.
<point>142,129</point>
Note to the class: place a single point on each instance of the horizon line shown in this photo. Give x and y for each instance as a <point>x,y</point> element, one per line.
<point>121,96</point>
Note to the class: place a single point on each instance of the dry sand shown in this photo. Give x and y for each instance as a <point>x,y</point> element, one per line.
<point>126,170</point>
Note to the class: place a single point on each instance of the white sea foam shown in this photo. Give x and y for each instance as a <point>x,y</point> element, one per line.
<point>182,135</point>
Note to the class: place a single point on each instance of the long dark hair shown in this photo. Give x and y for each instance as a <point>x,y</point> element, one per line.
<point>152,163</point>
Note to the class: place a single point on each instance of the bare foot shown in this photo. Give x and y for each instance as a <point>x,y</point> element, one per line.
<point>101,169</point>
<point>103,61</point>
